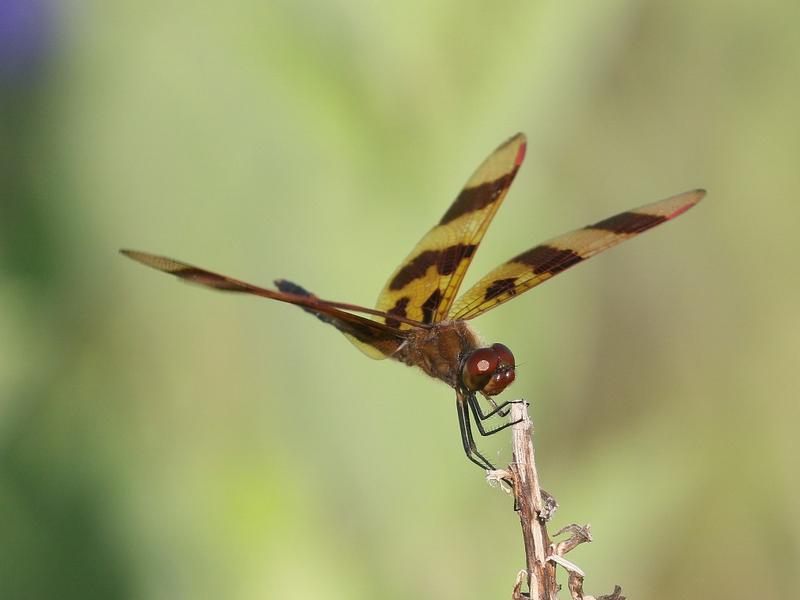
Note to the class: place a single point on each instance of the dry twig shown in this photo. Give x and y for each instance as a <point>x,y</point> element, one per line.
<point>535,509</point>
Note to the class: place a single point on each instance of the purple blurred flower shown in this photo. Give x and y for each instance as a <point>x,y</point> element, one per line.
<point>25,37</point>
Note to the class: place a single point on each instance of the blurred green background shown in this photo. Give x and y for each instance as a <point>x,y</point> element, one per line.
<point>158,441</point>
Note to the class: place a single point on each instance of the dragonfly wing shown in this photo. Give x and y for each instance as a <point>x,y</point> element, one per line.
<point>424,286</point>
<point>374,339</point>
<point>556,255</point>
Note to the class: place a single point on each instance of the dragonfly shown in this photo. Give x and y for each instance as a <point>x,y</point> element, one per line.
<point>418,319</point>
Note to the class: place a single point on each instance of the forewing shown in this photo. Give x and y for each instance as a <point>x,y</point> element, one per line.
<point>374,339</point>
<point>425,284</point>
<point>546,260</point>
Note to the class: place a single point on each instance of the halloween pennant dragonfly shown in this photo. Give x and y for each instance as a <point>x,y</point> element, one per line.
<point>418,320</point>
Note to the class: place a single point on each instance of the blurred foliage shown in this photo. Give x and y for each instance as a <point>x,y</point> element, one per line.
<point>162,442</point>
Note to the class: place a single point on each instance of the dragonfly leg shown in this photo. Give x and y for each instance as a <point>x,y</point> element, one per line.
<point>501,410</point>
<point>466,435</point>
<point>476,409</point>
<point>497,409</point>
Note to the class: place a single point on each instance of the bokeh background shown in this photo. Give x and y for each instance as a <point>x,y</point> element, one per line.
<point>158,441</point>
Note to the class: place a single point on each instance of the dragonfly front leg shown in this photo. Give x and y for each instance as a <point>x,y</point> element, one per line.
<point>500,409</point>
<point>497,409</point>
<point>479,416</point>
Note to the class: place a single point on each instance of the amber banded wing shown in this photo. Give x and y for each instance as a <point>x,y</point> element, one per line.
<point>374,339</point>
<point>546,260</point>
<point>425,284</point>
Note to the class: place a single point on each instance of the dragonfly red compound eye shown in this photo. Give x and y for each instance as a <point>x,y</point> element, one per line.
<point>504,354</point>
<point>479,367</point>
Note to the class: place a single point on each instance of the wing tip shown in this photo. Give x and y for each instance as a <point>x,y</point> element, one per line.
<point>133,254</point>
<point>160,263</point>
<point>521,141</point>
<point>692,197</point>
<point>144,258</point>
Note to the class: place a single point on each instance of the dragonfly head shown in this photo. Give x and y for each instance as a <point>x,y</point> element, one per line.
<point>488,370</point>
